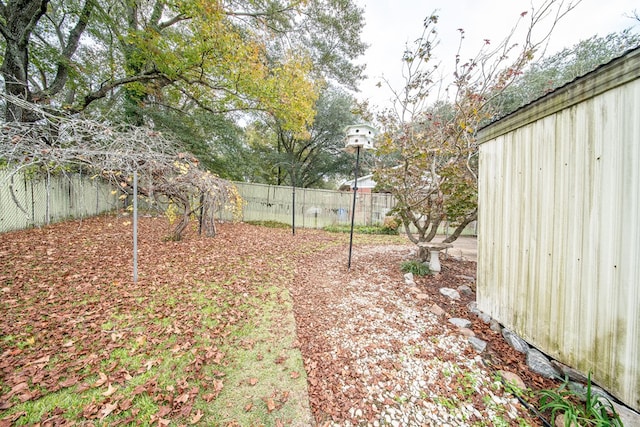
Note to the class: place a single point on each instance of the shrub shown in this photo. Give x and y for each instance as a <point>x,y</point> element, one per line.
<point>416,267</point>
<point>579,409</point>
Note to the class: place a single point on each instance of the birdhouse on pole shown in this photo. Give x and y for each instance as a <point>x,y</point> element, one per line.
<point>359,136</point>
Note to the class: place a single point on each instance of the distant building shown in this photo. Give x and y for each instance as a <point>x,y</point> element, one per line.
<point>366,184</point>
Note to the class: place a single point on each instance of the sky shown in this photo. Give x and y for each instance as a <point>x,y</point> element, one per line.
<point>391,24</point>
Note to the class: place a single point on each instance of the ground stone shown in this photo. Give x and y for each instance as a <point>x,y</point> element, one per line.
<point>422,296</point>
<point>408,279</point>
<point>465,290</point>
<point>515,341</point>
<point>437,310</point>
<point>510,377</point>
<point>494,325</point>
<point>580,390</point>
<point>478,344</point>
<point>451,293</point>
<point>467,332</point>
<point>484,317</point>
<point>628,416</point>
<point>473,308</point>
<point>569,372</point>
<point>459,322</point>
<point>539,364</point>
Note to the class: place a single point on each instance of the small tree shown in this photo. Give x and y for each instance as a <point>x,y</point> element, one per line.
<point>429,155</point>
<point>60,143</point>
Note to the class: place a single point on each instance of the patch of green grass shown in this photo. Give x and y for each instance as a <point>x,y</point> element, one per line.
<point>362,229</point>
<point>266,378</point>
<point>270,224</point>
<point>418,268</point>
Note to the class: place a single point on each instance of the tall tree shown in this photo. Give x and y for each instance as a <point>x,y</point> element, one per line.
<point>554,71</point>
<point>313,158</point>
<point>216,56</point>
<point>429,149</point>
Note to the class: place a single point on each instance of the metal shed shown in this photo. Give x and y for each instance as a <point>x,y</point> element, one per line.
<point>559,224</point>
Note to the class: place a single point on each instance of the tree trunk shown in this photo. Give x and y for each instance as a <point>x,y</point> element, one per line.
<point>460,228</point>
<point>19,18</point>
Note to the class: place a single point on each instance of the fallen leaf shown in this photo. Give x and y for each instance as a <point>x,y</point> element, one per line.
<point>196,417</point>
<point>18,388</point>
<point>125,404</point>
<point>183,398</point>
<point>110,390</point>
<point>271,404</point>
<point>295,375</point>
<point>107,410</point>
<point>164,410</point>
<point>248,407</point>
<point>102,380</point>
<point>43,360</point>
<point>68,382</point>
<point>253,381</point>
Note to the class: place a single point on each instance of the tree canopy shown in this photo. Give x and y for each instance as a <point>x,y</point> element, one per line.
<point>220,57</point>
<point>428,152</point>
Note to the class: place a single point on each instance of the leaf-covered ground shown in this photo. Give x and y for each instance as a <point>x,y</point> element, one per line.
<point>208,336</point>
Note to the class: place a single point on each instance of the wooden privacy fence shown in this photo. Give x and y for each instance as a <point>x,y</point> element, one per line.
<point>38,201</point>
<point>41,200</point>
<point>313,208</point>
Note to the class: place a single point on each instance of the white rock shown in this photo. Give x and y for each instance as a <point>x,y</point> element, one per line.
<point>451,293</point>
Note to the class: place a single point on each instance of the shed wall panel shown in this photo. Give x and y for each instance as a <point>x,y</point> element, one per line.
<point>559,236</point>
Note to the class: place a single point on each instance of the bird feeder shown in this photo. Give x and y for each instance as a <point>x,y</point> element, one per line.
<point>359,136</point>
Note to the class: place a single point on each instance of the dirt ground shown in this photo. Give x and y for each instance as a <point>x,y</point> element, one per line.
<point>347,319</point>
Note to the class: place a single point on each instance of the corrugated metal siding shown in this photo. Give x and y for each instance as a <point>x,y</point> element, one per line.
<point>559,235</point>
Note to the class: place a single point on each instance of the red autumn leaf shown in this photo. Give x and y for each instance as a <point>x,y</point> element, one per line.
<point>295,375</point>
<point>68,382</point>
<point>248,407</point>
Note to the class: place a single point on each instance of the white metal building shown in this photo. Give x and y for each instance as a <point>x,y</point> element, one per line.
<point>559,224</point>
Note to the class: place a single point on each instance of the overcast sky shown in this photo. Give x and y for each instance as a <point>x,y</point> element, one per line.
<point>390,24</point>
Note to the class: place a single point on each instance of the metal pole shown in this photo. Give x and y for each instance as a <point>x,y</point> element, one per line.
<point>135,226</point>
<point>293,199</point>
<point>353,209</point>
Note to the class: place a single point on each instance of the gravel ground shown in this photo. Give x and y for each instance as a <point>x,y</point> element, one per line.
<point>376,356</point>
